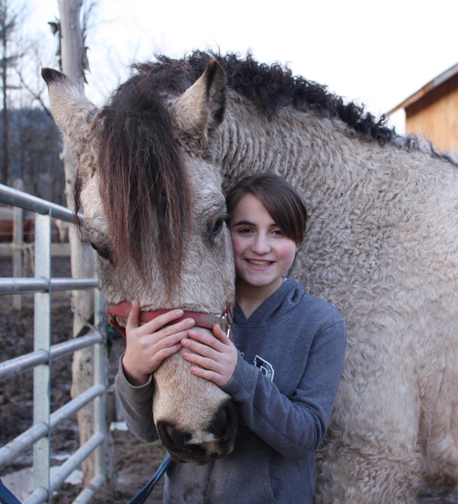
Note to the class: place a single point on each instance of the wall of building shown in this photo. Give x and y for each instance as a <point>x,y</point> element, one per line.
<point>435,116</point>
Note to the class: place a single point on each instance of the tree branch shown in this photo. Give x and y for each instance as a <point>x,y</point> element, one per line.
<point>34,95</point>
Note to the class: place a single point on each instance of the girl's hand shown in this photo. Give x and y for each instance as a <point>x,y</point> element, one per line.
<point>148,345</point>
<point>216,355</point>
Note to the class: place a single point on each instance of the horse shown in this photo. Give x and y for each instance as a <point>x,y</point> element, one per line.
<point>381,246</point>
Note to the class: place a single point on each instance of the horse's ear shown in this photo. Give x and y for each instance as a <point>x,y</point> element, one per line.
<point>201,108</point>
<point>71,110</point>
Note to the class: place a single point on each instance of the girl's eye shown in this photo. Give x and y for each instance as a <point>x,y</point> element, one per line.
<point>278,232</point>
<point>244,230</point>
<point>102,254</point>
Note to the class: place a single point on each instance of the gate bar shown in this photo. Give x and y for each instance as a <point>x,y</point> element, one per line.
<point>40,495</point>
<point>28,202</point>
<point>31,285</point>
<point>24,441</point>
<point>86,495</point>
<point>32,359</point>
<point>75,460</point>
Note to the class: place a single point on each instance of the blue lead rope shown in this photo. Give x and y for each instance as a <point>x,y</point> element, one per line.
<point>6,497</point>
<point>144,493</point>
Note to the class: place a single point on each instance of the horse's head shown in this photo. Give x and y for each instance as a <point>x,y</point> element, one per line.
<point>154,214</point>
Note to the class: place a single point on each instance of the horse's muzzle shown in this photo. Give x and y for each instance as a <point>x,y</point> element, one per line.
<point>217,441</point>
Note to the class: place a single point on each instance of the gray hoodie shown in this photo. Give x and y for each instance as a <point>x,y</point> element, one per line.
<point>285,382</point>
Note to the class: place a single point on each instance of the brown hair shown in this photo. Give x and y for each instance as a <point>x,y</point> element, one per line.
<point>279,198</point>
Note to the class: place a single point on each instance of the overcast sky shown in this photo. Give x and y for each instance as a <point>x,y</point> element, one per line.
<point>375,53</point>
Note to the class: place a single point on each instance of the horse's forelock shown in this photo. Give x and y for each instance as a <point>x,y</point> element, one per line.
<point>143,183</point>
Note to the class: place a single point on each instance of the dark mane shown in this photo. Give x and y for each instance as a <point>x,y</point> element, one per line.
<point>269,87</point>
<point>143,184</point>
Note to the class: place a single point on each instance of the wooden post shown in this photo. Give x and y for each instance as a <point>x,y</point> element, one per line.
<point>72,49</point>
<point>18,243</point>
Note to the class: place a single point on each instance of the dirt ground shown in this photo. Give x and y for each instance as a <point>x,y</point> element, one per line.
<point>134,462</point>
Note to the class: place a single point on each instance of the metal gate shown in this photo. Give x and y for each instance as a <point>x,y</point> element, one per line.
<point>44,422</point>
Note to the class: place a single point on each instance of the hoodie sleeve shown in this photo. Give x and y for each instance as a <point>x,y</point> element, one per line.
<point>137,406</point>
<point>294,426</point>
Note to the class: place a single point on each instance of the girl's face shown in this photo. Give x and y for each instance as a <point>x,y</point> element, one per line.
<point>262,252</point>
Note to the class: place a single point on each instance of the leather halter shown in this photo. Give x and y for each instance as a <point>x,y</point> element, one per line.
<point>203,320</point>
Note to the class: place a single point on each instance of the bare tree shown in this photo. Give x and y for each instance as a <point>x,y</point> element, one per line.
<point>34,143</point>
<point>36,94</point>
<point>10,22</point>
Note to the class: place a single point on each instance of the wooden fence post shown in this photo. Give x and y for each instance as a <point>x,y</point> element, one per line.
<point>72,57</point>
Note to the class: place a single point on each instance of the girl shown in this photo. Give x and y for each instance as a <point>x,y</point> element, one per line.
<point>282,371</point>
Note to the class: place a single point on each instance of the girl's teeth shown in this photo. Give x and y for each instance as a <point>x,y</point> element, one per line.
<point>259,263</point>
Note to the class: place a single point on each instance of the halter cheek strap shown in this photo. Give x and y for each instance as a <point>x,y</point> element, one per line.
<point>203,320</point>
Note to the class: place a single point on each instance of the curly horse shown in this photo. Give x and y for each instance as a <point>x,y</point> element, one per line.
<point>381,245</point>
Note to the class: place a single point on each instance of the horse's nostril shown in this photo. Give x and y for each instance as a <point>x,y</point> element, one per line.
<point>171,436</point>
<point>224,423</point>
<point>177,436</point>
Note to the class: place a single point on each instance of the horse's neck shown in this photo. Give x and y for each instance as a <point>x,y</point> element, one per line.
<point>315,155</point>
<point>339,175</point>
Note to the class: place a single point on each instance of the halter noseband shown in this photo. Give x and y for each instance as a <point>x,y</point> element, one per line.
<point>203,320</point>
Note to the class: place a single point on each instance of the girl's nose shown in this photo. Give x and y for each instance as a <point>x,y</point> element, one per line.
<point>261,244</point>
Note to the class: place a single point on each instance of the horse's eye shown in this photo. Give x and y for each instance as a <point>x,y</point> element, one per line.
<point>218,227</point>
<point>102,254</point>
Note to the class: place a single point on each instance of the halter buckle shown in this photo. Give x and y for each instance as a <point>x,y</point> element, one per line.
<point>227,317</point>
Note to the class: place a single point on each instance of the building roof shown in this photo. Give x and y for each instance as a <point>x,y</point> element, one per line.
<point>436,82</point>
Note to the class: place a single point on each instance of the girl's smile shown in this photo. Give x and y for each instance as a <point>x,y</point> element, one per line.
<point>262,252</point>
<point>259,263</point>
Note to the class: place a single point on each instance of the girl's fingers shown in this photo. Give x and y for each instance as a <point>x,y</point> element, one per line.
<point>158,322</point>
<point>212,376</point>
<point>173,339</point>
<point>132,321</point>
<point>215,341</point>
<point>156,326</point>
<point>199,348</point>
<point>168,351</point>
<point>205,363</point>
<point>212,359</point>
<point>183,325</point>
<point>152,325</point>
<point>205,373</point>
<point>164,332</point>
<point>221,335</point>
<point>203,344</point>
<point>206,339</point>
